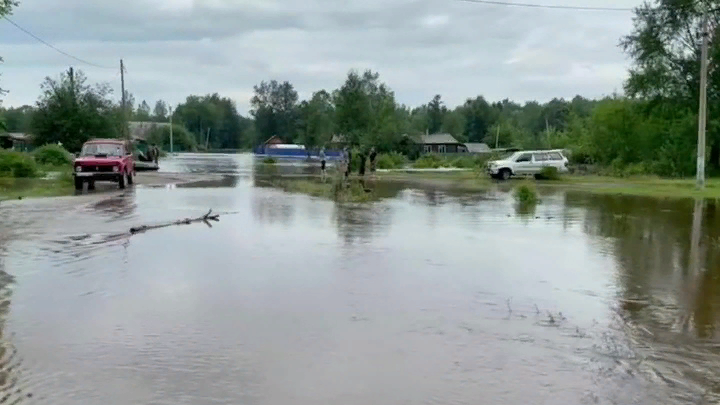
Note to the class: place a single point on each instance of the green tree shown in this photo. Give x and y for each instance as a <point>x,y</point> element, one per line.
<point>275,109</point>
<point>17,119</point>
<point>316,123</point>
<point>665,48</point>
<point>71,111</point>
<point>479,117</point>
<point>366,112</point>
<point>143,112</point>
<point>160,112</point>
<point>436,112</point>
<point>213,120</point>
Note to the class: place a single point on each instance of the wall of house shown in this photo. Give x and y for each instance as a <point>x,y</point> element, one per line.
<point>444,148</point>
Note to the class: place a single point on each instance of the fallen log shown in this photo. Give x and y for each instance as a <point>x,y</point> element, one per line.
<point>187,221</point>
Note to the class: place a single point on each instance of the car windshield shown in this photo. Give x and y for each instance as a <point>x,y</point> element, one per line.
<point>108,149</point>
<point>508,155</point>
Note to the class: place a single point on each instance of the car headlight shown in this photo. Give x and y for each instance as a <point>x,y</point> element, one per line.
<point>78,168</point>
<point>116,168</point>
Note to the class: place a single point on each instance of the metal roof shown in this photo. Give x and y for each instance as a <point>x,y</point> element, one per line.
<point>435,139</point>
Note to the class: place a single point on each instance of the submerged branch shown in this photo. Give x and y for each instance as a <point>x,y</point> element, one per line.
<point>187,221</point>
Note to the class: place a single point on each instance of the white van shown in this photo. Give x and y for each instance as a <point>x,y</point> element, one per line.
<point>527,163</point>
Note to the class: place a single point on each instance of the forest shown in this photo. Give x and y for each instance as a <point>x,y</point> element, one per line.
<point>651,128</point>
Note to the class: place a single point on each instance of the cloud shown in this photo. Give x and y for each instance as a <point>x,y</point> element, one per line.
<point>173,48</point>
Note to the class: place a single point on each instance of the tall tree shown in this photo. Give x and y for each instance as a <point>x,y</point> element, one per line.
<point>143,112</point>
<point>160,112</point>
<point>479,117</point>
<point>316,123</point>
<point>71,111</point>
<point>436,111</point>
<point>213,120</point>
<point>275,109</point>
<point>665,47</point>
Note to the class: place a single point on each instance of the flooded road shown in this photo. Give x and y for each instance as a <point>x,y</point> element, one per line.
<point>427,296</point>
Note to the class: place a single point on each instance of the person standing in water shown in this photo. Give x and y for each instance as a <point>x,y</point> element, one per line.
<point>373,156</point>
<point>348,154</point>
<point>322,162</point>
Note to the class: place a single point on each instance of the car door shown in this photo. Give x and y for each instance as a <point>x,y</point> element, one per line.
<point>523,164</point>
<point>538,161</point>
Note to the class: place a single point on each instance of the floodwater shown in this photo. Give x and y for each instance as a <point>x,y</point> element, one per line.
<point>426,296</point>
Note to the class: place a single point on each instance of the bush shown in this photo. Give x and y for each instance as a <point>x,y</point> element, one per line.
<point>391,160</point>
<point>183,141</point>
<point>52,154</point>
<point>17,164</point>
<point>526,194</point>
<point>269,161</point>
<point>463,162</point>
<point>549,173</point>
<point>430,162</point>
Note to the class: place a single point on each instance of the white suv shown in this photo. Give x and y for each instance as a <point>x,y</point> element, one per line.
<point>527,163</point>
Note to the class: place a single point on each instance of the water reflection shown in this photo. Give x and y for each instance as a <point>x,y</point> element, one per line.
<point>668,262</point>
<point>361,224</point>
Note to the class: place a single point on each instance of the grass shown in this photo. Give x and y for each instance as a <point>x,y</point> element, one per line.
<point>14,188</point>
<point>651,186</point>
<point>526,194</point>
<point>334,189</point>
<point>269,161</point>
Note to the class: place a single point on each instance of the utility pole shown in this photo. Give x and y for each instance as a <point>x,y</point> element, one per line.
<point>171,130</point>
<point>71,74</point>
<point>497,136</point>
<point>124,106</point>
<point>547,132</point>
<point>207,139</point>
<point>702,114</point>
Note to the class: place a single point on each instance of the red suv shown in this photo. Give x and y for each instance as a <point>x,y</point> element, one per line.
<point>104,160</point>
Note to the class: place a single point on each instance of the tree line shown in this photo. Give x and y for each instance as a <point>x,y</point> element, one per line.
<point>650,128</point>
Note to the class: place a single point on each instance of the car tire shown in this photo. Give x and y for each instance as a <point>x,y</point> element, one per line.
<point>78,184</point>
<point>121,181</point>
<point>130,180</point>
<point>505,174</point>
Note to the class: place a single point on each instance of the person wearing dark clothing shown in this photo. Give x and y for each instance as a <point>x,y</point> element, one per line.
<point>349,162</point>
<point>361,170</point>
<point>154,153</point>
<point>373,156</point>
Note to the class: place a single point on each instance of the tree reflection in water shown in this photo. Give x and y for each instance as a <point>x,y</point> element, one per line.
<point>667,255</point>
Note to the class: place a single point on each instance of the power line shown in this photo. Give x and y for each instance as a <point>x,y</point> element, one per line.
<point>551,6</point>
<point>54,47</point>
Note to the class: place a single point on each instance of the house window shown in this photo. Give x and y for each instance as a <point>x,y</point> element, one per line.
<point>441,148</point>
<point>428,148</point>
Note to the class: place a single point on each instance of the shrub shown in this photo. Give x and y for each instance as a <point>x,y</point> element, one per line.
<point>17,164</point>
<point>269,161</point>
<point>385,162</point>
<point>549,173</point>
<point>463,162</point>
<point>391,160</point>
<point>526,194</point>
<point>51,154</point>
<point>430,162</point>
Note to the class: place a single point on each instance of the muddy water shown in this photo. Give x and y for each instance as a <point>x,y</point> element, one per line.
<point>427,296</point>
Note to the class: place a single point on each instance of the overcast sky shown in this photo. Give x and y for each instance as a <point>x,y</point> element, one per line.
<point>173,48</point>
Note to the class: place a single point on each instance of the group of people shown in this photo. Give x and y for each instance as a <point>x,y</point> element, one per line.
<point>346,161</point>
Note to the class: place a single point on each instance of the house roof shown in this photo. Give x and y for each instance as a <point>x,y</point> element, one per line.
<point>436,139</point>
<point>141,129</point>
<point>16,136</point>
<point>478,148</point>
<point>273,138</point>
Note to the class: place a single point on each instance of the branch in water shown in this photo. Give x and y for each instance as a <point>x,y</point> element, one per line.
<point>187,221</point>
